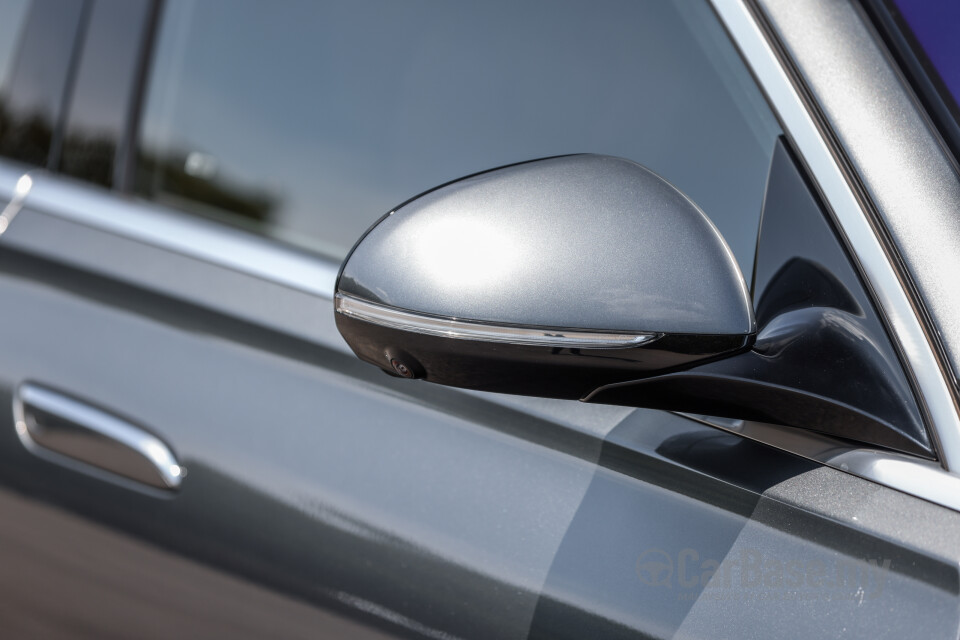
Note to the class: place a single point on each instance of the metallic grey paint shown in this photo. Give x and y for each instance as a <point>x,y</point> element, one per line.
<point>165,252</point>
<point>342,489</point>
<point>791,551</point>
<point>413,508</point>
<point>312,474</point>
<point>580,242</point>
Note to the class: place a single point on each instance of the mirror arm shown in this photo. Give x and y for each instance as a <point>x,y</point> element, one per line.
<point>782,380</point>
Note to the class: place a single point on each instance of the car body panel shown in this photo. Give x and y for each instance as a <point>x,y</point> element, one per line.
<point>412,508</point>
<point>323,498</point>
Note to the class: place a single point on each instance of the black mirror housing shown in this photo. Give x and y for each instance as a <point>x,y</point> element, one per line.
<point>550,278</point>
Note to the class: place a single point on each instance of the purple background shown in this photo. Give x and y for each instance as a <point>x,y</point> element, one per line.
<point>936,25</point>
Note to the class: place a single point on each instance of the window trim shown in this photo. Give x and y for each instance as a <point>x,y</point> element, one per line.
<point>181,233</point>
<point>125,163</point>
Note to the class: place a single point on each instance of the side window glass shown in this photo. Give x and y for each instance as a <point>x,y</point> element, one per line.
<point>104,87</point>
<point>36,71</point>
<point>308,120</point>
<point>13,15</point>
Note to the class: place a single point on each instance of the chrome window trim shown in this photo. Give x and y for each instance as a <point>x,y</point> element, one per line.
<point>20,190</point>
<point>179,232</point>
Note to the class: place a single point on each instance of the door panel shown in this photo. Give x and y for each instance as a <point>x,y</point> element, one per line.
<point>688,532</point>
<point>68,576</point>
<point>317,484</point>
<point>307,471</point>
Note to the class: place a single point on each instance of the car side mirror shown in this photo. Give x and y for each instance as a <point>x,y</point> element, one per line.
<point>551,278</point>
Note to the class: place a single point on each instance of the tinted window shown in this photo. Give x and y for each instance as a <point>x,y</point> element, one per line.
<point>103,89</point>
<point>13,15</point>
<point>32,100</point>
<point>309,120</point>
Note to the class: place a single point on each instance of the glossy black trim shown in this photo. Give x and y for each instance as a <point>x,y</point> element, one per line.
<point>793,48</point>
<point>741,395</point>
<point>527,370</point>
<point>821,361</point>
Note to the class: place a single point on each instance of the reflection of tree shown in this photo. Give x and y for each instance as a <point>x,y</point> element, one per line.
<point>167,174</point>
<point>28,137</point>
<point>89,158</point>
<point>25,137</point>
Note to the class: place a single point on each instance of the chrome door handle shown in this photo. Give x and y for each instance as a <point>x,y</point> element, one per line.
<point>70,432</point>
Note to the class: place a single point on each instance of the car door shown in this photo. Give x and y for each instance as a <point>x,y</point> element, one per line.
<point>182,180</point>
